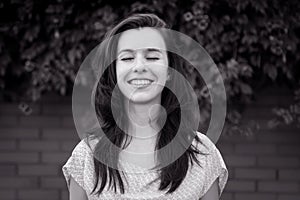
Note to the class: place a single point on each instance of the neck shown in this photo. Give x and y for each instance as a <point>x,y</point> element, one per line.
<point>142,119</point>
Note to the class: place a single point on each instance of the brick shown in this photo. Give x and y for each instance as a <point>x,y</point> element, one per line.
<point>256,196</point>
<point>41,170</point>
<point>236,138</point>
<point>279,137</point>
<point>59,134</point>
<point>240,161</point>
<point>257,174</point>
<point>226,148</point>
<point>56,158</point>
<point>64,195</point>
<point>278,162</point>
<point>255,149</point>
<point>39,145</point>
<point>289,174</point>
<point>289,197</point>
<point>279,187</point>
<point>32,194</point>
<point>54,98</point>
<point>53,183</point>
<point>240,186</point>
<point>69,145</point>
<point>19,157</point>
<point>7,121</point>
<point>40,121</point>
<point>7,170</point>
<point>13,109</point>
<point>57,109</point>
<point>230,172</point>
<point>226,196</point>
<point>289,149</point>
<point>18,182</point>
<point>8,194</point>
<point>19,133</point>
<point>68,122</point>
<point>8,145</point>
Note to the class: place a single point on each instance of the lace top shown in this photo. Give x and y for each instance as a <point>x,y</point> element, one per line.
<point>198,179</point>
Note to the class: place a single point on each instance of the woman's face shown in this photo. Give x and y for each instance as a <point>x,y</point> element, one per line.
<point>141,65</point>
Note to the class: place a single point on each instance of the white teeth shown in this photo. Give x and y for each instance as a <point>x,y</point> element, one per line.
<point>140,82</point>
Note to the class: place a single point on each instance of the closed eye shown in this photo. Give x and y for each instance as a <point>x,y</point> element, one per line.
<point>127,59</point>
<point>152,58</point>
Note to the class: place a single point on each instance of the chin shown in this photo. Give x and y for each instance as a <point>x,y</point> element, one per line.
<point>140,100</point>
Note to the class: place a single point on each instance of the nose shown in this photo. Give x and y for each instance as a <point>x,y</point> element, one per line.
<point>139,66</point>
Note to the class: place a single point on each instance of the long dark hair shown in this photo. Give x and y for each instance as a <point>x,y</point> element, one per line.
<point>106,100</point>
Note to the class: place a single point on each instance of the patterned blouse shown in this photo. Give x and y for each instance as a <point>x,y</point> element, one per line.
<point>198,180</point>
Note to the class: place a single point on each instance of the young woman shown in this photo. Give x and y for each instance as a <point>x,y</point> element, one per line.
<point>137,85</point>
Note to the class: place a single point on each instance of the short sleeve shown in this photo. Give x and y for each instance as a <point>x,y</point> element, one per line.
<point>80,166</point>
<point>214,167</point>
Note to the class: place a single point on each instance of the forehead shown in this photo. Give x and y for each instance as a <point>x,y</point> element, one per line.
<point>141,38</point>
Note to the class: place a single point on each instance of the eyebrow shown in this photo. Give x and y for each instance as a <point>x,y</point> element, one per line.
<point>147,49</point>
<point>153,50</point>
<point>126,50</point>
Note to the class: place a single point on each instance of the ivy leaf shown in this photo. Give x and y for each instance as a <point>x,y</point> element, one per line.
<point>271,71</point>
<point>245,88</point>
<point>259,6</point>
<point>71,56</point>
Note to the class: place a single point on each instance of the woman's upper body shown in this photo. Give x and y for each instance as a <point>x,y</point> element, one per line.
<point>143,97</point>
<point>200,181</point>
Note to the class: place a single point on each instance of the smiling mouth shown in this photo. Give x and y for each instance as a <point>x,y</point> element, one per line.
<point>140,83</point>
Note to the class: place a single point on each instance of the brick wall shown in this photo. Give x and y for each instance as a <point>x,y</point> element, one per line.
<point>265,165</point>
<point>33,148</point>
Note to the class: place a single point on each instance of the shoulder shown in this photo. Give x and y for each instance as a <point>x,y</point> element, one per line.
<point>214,166</point>
<point>85,146</point>
<point>205,145</point>
<point>81,148</point>
<point>80,164</point>
<point>212,153</point>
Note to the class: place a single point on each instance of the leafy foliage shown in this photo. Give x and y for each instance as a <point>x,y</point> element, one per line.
<point>290,115</point>
<point>42,48</point>
<point>254,43</point>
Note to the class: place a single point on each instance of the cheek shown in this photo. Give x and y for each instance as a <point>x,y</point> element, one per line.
<point>162,70</point>
<point>120,70</point>
<point>165,67</point>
